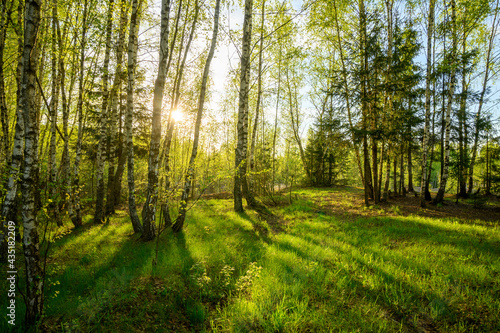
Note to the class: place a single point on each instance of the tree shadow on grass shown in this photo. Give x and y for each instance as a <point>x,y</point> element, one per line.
<point>260,228</point>
<point>109,279</point>
<point>404,303</point>
<point>401,298</point>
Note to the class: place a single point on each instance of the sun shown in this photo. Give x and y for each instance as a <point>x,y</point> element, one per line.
<point>177,115</point>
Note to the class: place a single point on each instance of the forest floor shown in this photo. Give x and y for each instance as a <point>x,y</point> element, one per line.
<point>326,263</point>
<point>348,202</point>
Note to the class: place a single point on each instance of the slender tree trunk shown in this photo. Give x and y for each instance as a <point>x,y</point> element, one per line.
<point>388,99</point>
<point>259,89</point>
<point>433,137</point>
<point>364,104</point>
<point>395,175</point>
<point>385,196</point>
<point>410,169</point>
<point>190,171</point>
<point>113,134</point>
<point>376,193</point>
<point>149,222</point>
<point>402,174</point>
<point>132,60</point>
<point>451,90</point>
<point>171,120</point>
<point>488,165</point>
<point>4,117</point>
<point>294,117</point>
<point>425,146</point>
<point>486,78</point>
<point>99,214</point>
<point>9,208</point>
<point>462,178</point>
<point>65,160</point>
<point>163,151</point>
<point>31,241</point>
<point>276,118</point>
<point>77,217</point>
<point>54,101</point>
<point>121,155</point>
<point>433,142</point>
<point>242,126</point>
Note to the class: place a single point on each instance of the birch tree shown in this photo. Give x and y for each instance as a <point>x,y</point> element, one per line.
<point>451,90</point>
<point>131,66</point>
<point>4,14</point>
<point>54,101</point>
<point>174,108</point>
<point>113,110</point>
<point>9,208</point>
<point>76,215</point>
<point>242,126</point>
<point>259,88</point>
<point>154,149</point>
<point>31,241</point>
<point>99,214</point>
<point>425,144</point>
<point>364,104</point>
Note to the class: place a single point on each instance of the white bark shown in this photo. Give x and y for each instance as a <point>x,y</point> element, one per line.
<point>242,125</point>
<point>77,216</point>
<point>451,91</point>
<point>99,214</point>
<point>425,147</point>
<point>132,59</point>
<point>113,109</point>
<point>154,149</point>
<point>31,242</point>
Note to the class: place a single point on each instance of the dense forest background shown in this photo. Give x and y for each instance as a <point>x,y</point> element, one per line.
<point>149,106</point>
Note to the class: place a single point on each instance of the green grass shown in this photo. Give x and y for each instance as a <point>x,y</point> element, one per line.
<point>228,272</point>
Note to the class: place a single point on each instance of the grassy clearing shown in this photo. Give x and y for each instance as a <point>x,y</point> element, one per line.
<point>326,271</point>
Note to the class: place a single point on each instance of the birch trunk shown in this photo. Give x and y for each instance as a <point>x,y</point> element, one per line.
<point>388,99</point>
<point>364,107</point>
<point>276,118</point>
<point>462,136</point>
<point>99,215</point>
<point>65,160</point>
<point>131,63</point>
<point>242,125</point>
<point>451,90</point>
<point>54,103</point>
<point>9,208</point>
<point>4,118</point>
<point>121,153</point>
<point>385,195</point>
<point>174,108</point>
<point>402,173</point>
<point>259,90</point>
<point>31,242</point>
<point>77,216</point>
<point>113,119</point>
<point>154,150</point>
<point>190,171</point>
<point>433,140</point>
<point>410,169</point>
